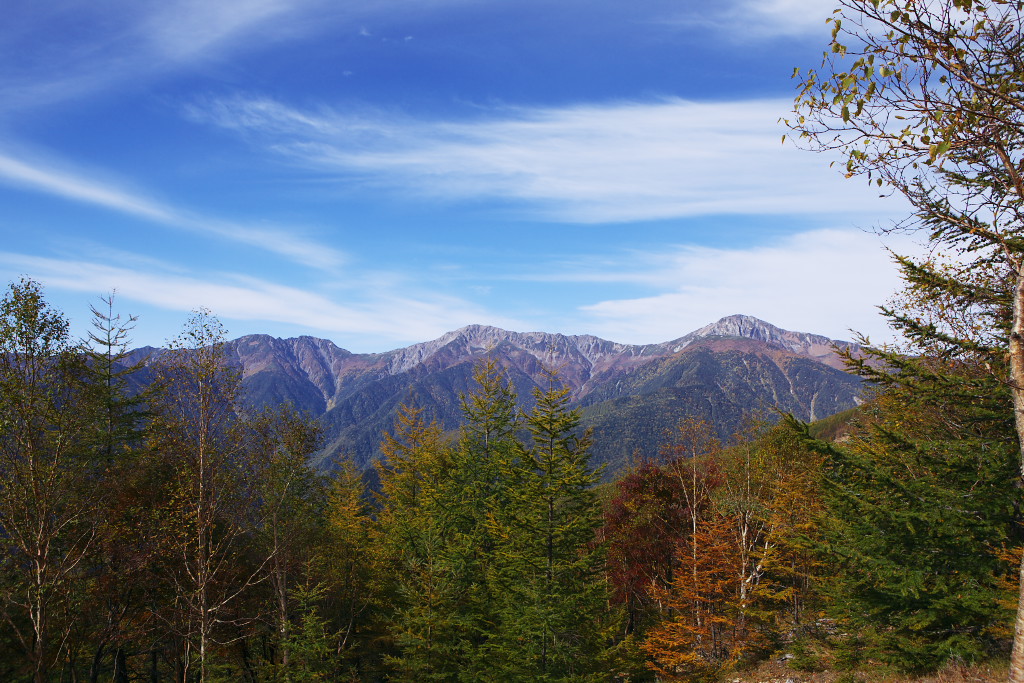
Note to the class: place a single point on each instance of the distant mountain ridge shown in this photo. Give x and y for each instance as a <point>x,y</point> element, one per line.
<point>630,394</point>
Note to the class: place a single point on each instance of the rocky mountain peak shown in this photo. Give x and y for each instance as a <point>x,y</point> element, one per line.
<point>749,327</point>
<point>739,325</point>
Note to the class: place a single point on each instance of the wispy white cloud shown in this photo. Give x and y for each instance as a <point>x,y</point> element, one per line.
<point>615,162</point>
<point>184,30</point>
<point>385,314</point>
<point>75,185</point>
<point>741,20</point>
<point>110,43</point>
<point>113,42</point>
<point>824,281</point>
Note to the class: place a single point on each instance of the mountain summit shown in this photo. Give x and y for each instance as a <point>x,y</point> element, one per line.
<point>748,327</point>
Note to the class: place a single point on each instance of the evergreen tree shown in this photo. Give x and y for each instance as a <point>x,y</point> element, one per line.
<point>924,98</point>
<point>474,493</point>
<point>922,499</point>
<point>546,576</point>
<point>118,575</point>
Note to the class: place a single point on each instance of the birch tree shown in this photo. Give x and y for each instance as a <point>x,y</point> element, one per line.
<point>46,510</point>
<point>209,504</point>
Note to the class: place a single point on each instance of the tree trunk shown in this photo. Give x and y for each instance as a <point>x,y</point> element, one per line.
<point>1017,389</point>
<point>120,666</point>
<point>97,662</point>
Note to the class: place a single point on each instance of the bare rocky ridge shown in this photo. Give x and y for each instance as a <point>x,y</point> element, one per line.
<point>629,394</point>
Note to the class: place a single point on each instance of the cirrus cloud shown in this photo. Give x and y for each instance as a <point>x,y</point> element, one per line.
<point>594,163</point>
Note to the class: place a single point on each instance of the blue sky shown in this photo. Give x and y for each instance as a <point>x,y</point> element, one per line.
<point>378,173</point>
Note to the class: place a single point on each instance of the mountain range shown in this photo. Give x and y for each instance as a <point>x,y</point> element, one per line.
<point>629,395</point>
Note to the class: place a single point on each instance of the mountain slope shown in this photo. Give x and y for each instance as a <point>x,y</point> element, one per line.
<point>630,394</point>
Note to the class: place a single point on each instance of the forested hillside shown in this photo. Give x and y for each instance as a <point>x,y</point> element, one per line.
<point>180,534</point>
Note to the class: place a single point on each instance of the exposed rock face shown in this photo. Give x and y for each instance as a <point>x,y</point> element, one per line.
<point>630,394</point>
<point>747,327</point>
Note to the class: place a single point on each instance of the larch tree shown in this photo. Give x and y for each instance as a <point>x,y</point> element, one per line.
<point>714,616</point>
<point>926,99</point>
<point>692,455</point>
<point>414,529</point>
<point>352,568</point>
<point>702,634</point>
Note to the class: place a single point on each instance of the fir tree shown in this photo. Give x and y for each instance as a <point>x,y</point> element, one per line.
<point>922,499</point>
<point>488,443</point>
<point>547,569</point>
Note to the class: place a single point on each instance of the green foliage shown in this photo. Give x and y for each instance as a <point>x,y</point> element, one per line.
<point>547,581</point>
<point>923,496</point>
<point>350,565</point>
<point>834,426</point>
<point>310,644</point>
<point>491,543</point>
<point>914,529</point>
<point>201,546</point>
<point>923,98</point>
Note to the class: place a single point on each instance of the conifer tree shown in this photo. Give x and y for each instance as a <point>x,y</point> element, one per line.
<point>354,572</point>
<point>547,573</point>
<point>704,632</point>
<point>118,571</point>
<point>414,527</point>
<point>924,99</point>
<point>922,500</point>
<point>474,492</point>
